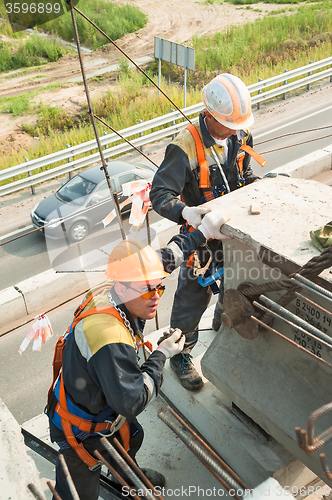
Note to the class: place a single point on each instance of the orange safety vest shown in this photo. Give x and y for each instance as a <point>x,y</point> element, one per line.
<point>68,419</point>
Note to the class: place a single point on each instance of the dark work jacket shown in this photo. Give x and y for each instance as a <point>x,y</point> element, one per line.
<point>178,174</point>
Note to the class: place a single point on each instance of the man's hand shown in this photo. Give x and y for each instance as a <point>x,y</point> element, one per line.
<point>193,215</point>
<point>170,347</point>
<point>211,224</point>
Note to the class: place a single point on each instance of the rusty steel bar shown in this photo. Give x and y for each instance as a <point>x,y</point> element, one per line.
<point>114,473</point>
<point>311,422</point>
<point>325,466</point>
<point>132,61</point>
<point>90,111</point>
<point>134,466</point>
<point>35,492</point>
<point>309,328</point>
<point>293,325</point>
<point>307,440</point>
<point>310,285</point>
<point>125,467</point>
<point>208,448</point>
<point>311,302</point>
<point>55,493</point>
<point>259,322</point>
<point>68,477</point>
<point>204,458</point>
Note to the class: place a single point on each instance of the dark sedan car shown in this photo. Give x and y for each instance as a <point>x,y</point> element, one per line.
<point>84,201</point>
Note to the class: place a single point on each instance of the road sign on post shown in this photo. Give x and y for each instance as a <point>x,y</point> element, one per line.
<point>174,53</point>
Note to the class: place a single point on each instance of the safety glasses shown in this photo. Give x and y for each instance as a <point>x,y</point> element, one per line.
<point>148,293</point>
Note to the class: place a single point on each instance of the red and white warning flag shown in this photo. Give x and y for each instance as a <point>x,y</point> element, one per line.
<point>138,193</point>
<point>41,331</point>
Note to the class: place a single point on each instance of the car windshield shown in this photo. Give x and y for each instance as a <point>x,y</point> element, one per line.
<point>75,190</point>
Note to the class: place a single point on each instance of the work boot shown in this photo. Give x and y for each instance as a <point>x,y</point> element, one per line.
<point>156,478</point>
<point>188,376</point>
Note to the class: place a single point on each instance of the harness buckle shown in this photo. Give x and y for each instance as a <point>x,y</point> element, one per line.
<point>96,466</point>
<point>115,426</point>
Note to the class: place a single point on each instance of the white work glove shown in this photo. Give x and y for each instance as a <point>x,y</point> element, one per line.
<point>193,215</point>
<point>211,224</point>
<point>170,347</point>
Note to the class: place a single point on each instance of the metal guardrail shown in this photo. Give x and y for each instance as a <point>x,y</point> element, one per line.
<point>67,154</point>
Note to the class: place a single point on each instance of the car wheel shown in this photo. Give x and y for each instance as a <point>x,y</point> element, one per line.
<point>79,231</point>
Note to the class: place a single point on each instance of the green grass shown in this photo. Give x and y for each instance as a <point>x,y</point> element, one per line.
<point>29,52</point>
<point>115,20</point>
<point>20,105</point>
<point>265,41</point>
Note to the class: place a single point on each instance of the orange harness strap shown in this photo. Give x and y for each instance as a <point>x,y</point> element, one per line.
<point>204,177</point>
<point>255,155</point>
<point>68,419</point>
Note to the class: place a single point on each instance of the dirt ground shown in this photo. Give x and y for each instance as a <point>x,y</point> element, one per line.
<point>174,20</point>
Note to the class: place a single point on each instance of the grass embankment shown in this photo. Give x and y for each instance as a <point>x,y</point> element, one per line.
<point>255,50</point>
<point>25,51</point>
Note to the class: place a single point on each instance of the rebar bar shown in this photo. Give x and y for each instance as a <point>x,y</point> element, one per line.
<point>209,449</point>
<point>309,328</point>
<point>68,477</point>
<point>325,466</point>
<point>134,466</point>
<point>293,325</point>
<point>309,285</point>
<point>114,473</point>
<point>53,491</point>
<point>311,269</point>
<point>268,327</point>
<point>311,302</point>
<point>307,441</point>
<point>125,467</point>
<point>228,481</point>
<point>35,492</point>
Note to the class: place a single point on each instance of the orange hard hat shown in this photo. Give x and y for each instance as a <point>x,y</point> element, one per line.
<point>227,98</point>
<point>133,261</point>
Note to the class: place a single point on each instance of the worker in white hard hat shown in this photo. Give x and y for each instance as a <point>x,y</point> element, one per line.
<point>98,386</point>
<point>205,161</point>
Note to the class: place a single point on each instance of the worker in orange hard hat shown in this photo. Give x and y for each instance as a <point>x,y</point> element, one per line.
<point>205,161</point>
<point>99,388</point>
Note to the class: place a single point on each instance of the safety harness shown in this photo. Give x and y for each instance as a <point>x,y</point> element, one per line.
<point>207,277</point>
<point>58,402</point>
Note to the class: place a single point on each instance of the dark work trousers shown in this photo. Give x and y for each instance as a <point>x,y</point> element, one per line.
<point>87,482</point>
<point>190,302</point>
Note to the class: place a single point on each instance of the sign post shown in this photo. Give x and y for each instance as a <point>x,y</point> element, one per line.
<point>176,54</point>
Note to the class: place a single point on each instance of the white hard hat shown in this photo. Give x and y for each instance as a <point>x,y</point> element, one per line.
<point>227,98</point>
